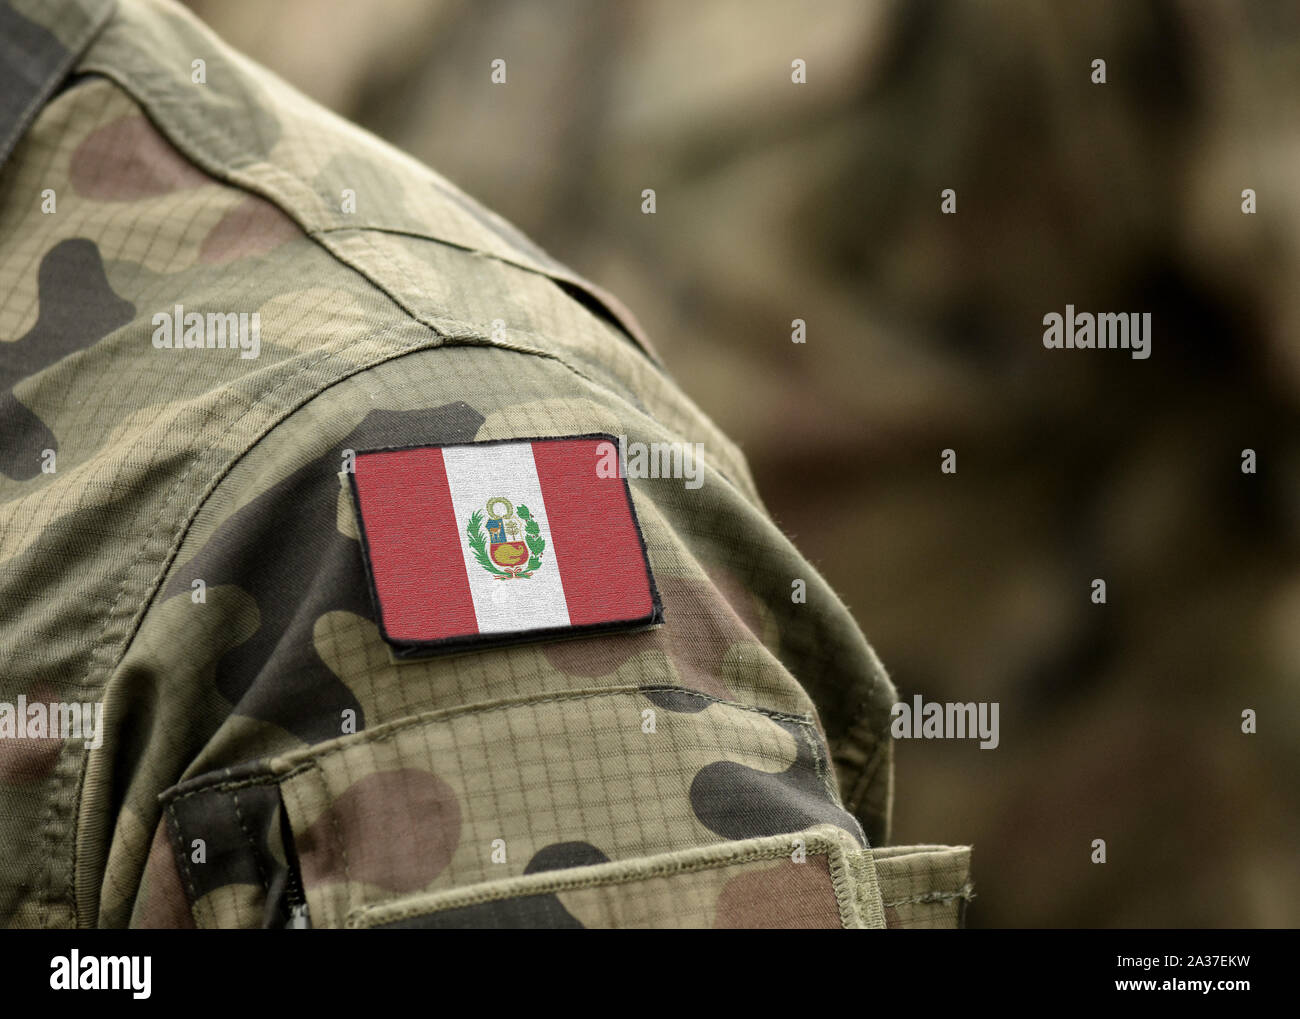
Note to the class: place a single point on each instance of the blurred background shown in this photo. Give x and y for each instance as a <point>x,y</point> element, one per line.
<point>822,202</point>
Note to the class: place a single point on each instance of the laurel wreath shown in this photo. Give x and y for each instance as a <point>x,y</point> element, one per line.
<point>532,538</point>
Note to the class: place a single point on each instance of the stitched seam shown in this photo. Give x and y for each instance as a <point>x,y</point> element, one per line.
<point>845,897</point>
<point>442,321</point>
<point>566,277</point>
<point>184,861</point>
<point>819,764</point>
<point>966,891</point>
<point>815,845</point>
<point>868,778</point>
<point>268,779</point>
<point>349,891</point>
<point>398,269</point>
<point>257,856</point>
<point>862,865</point>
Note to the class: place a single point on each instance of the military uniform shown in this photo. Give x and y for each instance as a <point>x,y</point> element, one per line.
<point>180,547</point>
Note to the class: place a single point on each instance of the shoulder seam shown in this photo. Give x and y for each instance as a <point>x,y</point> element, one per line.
<point>198,156</point>
<point>299,207</point>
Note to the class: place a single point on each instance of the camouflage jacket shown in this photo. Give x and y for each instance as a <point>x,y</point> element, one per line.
<point>181,570</point>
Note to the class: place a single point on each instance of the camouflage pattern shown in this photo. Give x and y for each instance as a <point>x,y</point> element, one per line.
<point>924,886</point>
<point>262,748</point>
<point>731,884</point>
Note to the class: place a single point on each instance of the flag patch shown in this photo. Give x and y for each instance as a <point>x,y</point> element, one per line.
<point>500,542</point>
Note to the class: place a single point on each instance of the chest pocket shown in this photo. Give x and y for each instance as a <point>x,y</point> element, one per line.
<point>625,807</point>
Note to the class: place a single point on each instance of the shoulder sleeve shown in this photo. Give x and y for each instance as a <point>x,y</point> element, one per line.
<point>325,766</point>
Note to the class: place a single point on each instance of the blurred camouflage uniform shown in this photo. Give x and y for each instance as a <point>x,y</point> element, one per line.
<point>503,787</point>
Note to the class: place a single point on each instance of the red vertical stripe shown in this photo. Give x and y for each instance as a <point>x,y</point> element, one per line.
<point>597,546</point>
<point>414,543</point>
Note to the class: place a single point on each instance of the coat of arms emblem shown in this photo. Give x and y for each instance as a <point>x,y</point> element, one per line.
<point>507,550</point>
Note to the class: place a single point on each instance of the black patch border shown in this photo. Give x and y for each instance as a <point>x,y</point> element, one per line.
<point>409,649</point>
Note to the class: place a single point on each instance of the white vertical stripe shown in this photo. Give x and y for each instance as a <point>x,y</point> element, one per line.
<point>476,474</point>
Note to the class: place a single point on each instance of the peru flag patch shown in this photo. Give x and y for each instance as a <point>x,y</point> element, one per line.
<point>487,543</point>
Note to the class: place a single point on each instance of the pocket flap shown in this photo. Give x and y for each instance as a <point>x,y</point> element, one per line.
<point>813,879</point>
<point>666,793</point>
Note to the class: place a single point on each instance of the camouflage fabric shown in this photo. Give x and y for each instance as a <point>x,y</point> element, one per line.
<point>176,546</point>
